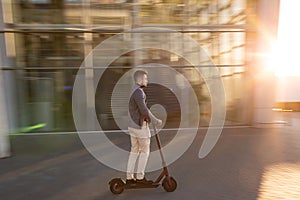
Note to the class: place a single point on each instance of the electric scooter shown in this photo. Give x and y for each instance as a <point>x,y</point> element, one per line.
<point>117,185</point>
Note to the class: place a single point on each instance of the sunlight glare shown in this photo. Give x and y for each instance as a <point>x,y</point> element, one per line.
<point>280,182</point>
<point>285,58</point>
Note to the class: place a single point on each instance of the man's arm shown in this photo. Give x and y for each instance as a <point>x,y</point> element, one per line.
<point>154,120</point>
<point>140,101</point>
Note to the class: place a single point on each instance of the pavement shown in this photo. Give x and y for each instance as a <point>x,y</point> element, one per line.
<point>245,164</point>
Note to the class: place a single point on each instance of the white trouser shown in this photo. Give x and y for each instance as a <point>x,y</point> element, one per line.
<point>140,147</point>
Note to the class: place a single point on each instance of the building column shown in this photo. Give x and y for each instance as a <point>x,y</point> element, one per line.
<point>4,140</point>
<point>263,78</point>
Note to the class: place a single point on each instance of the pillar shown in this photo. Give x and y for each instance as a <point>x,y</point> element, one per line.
<point>264,79</point>
<point>4,140</point>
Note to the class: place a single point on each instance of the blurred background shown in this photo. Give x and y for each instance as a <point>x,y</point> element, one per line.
<point>253,43</point>
<point>44,42</point>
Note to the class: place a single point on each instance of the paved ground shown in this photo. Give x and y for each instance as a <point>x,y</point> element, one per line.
<point>246,164</point>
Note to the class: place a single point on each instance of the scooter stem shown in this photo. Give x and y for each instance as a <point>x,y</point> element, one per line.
<point>159,146</point>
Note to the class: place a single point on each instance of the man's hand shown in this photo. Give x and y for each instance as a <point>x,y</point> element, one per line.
<point>159,122</point>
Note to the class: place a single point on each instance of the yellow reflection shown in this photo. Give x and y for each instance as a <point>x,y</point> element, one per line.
<point>284,58</point>
<point>280,182</point>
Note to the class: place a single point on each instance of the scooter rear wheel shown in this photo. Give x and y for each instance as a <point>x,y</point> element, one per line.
<point>116,186</point>
<point>169,184</point>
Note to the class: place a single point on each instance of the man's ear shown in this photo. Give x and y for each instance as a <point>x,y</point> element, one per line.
<point>138,80</point>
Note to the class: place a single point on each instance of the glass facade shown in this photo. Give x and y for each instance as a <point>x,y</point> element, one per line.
<point>46,42</point>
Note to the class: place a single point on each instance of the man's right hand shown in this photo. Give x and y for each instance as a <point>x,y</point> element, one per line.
<point>159,122</point>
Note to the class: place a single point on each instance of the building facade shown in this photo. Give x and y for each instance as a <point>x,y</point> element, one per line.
<point>45,42</point>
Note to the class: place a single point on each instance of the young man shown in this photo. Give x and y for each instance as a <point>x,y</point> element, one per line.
<point>139,119</point>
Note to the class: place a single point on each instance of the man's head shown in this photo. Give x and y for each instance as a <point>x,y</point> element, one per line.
<point>141,77</point>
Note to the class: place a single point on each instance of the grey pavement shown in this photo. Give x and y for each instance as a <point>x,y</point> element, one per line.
<point>246,164</point>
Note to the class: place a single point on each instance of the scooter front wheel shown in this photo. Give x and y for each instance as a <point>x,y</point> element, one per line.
<point>169,184</point>
<point>116,186</point>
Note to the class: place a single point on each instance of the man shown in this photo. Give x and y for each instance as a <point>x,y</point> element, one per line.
<point>139,119</point>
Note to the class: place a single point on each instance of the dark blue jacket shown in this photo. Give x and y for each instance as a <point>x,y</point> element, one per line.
<point>138,111</point>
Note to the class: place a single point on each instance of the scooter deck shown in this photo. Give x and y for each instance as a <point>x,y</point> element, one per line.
<point>141,185</point>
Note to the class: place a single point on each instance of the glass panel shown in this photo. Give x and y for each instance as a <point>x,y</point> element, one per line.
<point>50,50</point>
<point>46,100</point>
<point>51,39</point>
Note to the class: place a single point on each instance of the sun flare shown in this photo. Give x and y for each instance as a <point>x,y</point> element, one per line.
<point>285,58</point>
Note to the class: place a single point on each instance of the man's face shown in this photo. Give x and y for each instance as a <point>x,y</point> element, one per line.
<point>144,80</point>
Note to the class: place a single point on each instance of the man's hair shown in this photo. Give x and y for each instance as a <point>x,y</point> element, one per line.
<point>139,74</point>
